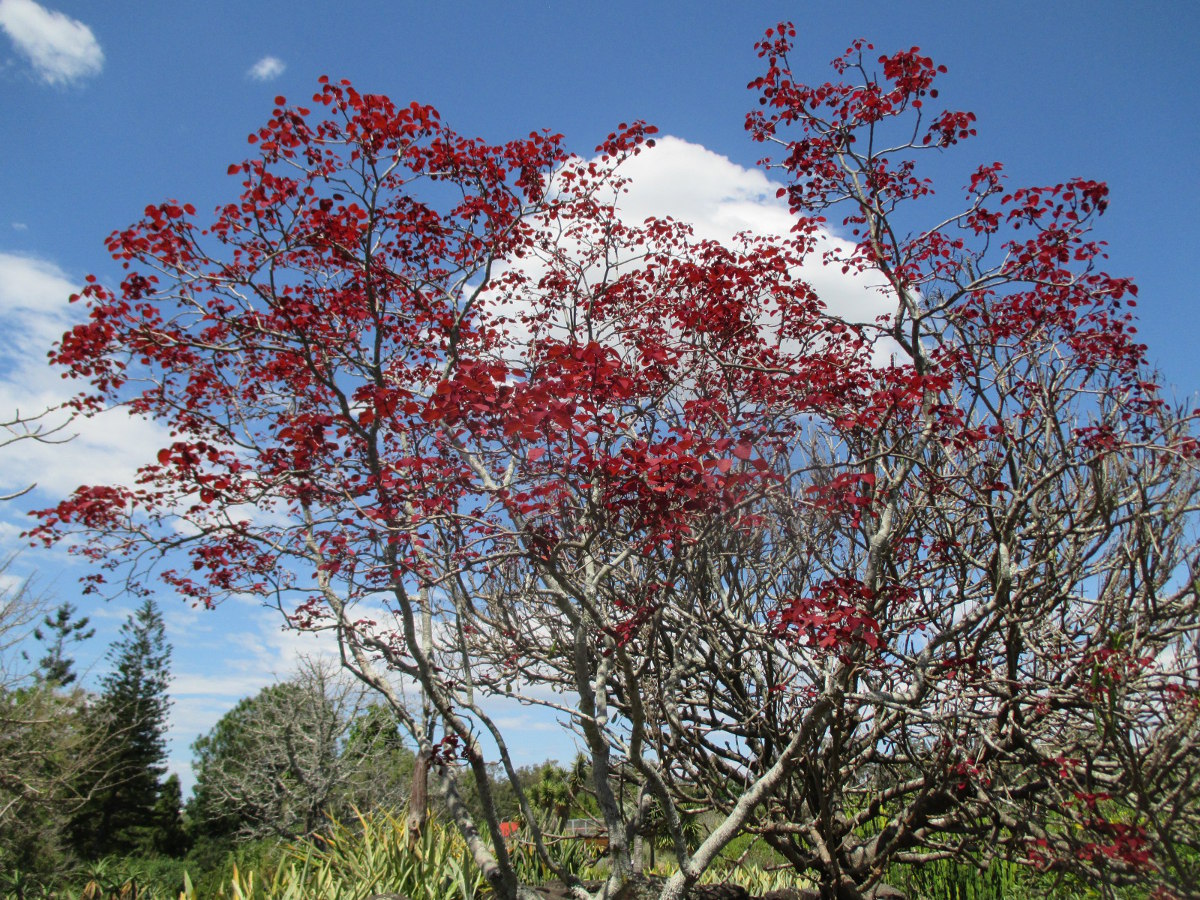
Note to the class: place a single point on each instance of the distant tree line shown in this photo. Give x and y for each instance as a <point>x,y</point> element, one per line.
<point>83,774</point>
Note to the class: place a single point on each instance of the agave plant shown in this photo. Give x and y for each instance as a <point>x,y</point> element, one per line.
<point>572,855</point>
<point>369,856</point>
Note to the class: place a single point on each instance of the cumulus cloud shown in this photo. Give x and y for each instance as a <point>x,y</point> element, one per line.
<point>62,50</point>
<point>693,184</point>
<point>267,68</point>
<point>720,198</point>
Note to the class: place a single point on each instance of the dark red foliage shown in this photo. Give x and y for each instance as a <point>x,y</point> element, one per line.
<point>911,568</point>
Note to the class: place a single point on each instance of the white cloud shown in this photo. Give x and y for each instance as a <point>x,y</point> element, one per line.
<point>61,49</point>
<point>20,226</point>
<point>105,449</point>
<point>719,198</point>
<point>693,184</point>
<point>267,68</point>
<point>35,291</point>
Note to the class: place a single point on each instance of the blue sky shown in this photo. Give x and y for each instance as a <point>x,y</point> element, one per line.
<point>106,107</point>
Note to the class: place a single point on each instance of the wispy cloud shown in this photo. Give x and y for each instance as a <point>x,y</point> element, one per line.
<point>62,50</point>
<point>267,68</point>
<point>105,449</point>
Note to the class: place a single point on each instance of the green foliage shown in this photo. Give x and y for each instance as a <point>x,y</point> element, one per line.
<point>170,836</point>
<point>572,855</point>
<point>954,881</point>
<point>756,881</point>
<point>559,794</point>
<point>151,877</point>
<point>120,815</point>
<point>47,746</point>
<point>658,837</point>
<point>748,851</point>
<point>251,736</point>
<point>18,883</point>
<point>212,862</point>
<point>353,861</point>
<point>552,794</point>
<point>282,762</point>
<point>1000,880</point>
<point>60,630</point>
<point>382,768</point>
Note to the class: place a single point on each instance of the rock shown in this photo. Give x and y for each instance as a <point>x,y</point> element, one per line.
<point>724,891</point>
<point>879,892</point>
<point>556,890</point>
<point>649,887</point>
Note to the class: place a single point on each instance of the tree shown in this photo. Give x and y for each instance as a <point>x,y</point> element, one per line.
<point>378,763</point>
<point>124,810</point>
<point>48,748</point>
<point>891,590</point>
<point>19,610</point>
<point>62,629</point>
<point>282,762</point>
<point>170,836</point>
<point>981,561</point>
<point>559,794</point>
<point>552,795</point>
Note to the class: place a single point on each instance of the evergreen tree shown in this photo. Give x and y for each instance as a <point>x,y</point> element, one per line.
<point>61,629</point>
<point>170,837</point>
<point>123,814</point>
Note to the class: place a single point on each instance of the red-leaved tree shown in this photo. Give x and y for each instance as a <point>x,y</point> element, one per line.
<point>887,591</point>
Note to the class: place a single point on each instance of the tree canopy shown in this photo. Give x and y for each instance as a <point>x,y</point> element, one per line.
<point>53,752</point>
<point>298,752</point>
<point>914,587</point>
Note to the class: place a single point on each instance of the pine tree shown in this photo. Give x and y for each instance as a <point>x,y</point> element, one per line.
<point>170,836</point>
<point>122,814</point>
<point>62,629</point>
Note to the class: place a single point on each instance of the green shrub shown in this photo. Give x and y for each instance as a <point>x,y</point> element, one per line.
<point>1001,880</point>
<point>211,863</point>
<point>151,877</point>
